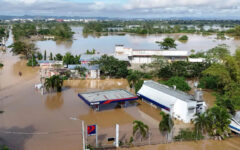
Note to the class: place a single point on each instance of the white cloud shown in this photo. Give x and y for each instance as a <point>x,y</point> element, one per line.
<point>130,8</point>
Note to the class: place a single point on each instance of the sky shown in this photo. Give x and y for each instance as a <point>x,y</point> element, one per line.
<point>229,9</point>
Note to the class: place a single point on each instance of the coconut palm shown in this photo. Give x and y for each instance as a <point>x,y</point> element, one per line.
<point>54,82</point>
<point>81,71</point>
<point>133,77</point>
<point>141,128</point>
<point>201,122</point>
<point>166,124</point>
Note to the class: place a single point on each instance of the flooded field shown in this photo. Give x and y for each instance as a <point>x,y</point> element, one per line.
<point>105,44</point>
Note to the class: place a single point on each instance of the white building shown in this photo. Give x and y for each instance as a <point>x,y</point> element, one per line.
<point>140,56</point>
<point>180,105</point>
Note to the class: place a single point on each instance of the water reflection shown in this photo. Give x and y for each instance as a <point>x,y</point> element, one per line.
<point>54,101</point>
<point>105,44</point>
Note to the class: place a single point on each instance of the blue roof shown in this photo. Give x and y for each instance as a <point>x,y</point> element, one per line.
<point>87,66</point>
<point>88,57</point>
<point>45,61</point>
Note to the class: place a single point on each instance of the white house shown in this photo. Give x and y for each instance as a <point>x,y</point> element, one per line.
<point>140,56</point>
<point>179,105</point>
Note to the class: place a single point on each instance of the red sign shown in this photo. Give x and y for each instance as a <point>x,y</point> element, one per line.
<point>91,129</point>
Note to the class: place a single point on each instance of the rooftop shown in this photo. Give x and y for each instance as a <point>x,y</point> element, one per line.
<point>87,66</point>
<point>108,95</point>
<point>170,91</point>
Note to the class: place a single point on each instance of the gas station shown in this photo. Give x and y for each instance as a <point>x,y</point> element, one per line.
<point>98,98</point>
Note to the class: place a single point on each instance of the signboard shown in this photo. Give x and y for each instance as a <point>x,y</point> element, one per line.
<point>92,130</point>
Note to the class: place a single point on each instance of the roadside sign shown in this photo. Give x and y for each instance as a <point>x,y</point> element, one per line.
<point>92,130</point>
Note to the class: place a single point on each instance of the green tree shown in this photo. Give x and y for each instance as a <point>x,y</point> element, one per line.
<point>58,57</point>
<point>1,65</point>
<point>133,77</point>
<point>201,123</point>
<point>21,48</point>
<point>219,120</point>
<point>110,66</point>
<point>68,58</point>
<point>32,61</point>
<point>45,55</point>
<point>166,124</point>
<point>55,82</point>
<point>183,38</point>
<point>51,56</point>
<point>167,43</point>
<point>138,85</point>
<point>91,52</point>
<point>39,56</point>
<point>179,82</point>
<point>217,53</point>
<point>81,70</point>
<point>141,128</point>
<point>226,102</point>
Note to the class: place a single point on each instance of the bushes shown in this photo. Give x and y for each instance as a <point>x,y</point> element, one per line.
<point>208,82</point>
<point>179,82</point>
<point>32,62</point>
<point>1,65</point>
<point>183,38</point>
<point>187,135</point>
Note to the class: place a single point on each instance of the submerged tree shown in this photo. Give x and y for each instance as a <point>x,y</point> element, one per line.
<point>22,48</point>
<point>167,43</point>
<point>55,82</point>
<point>141,128</point>
<point>166,124</point>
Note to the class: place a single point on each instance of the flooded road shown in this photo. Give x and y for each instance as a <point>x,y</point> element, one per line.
<point>229,144</point>
<point>105,44</point>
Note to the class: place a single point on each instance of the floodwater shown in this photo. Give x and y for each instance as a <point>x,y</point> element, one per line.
<point>105,44</point>
<point>229,144</point>
<point>53,121</point>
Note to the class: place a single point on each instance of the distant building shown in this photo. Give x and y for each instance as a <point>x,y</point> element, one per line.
<point>140,56</point>
<point>92,71</point>
<point>88,58</point>
<point>48,37</point>
<point>178,104</point>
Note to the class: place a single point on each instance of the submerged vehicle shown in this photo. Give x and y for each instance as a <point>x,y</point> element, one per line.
<point>235,123</point>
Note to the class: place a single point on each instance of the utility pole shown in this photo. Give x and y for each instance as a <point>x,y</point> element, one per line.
<point>117,136</point>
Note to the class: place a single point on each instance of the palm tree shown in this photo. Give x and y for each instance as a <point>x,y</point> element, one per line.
<point>68,58</point>
<point>54,82</point>
<point>58,83</point>
<point>81,70</point>
<point>141,128</point>
<point>166,124</point>
<point>133,77</point>
<point>49,84</point>
<point>201,122</point>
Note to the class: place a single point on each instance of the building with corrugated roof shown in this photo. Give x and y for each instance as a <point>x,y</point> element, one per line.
<point>178,104</point>
<point>140,56</point>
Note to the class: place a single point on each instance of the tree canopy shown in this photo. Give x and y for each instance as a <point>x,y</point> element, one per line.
<point>167,43</point>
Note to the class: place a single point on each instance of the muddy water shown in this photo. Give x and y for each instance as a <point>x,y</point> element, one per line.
<point>229,144</point>
<point>32,121</point>
<point>80,43</point>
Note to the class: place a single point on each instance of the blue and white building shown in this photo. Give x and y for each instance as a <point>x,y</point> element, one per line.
<point>235,123</point>
<point>178,104</point>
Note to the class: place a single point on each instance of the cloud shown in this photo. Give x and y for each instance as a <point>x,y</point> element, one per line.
<point>123,8</point>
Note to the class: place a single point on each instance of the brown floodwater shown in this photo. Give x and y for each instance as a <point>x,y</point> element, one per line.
<point>52,121</point>
<point>229,144</point>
